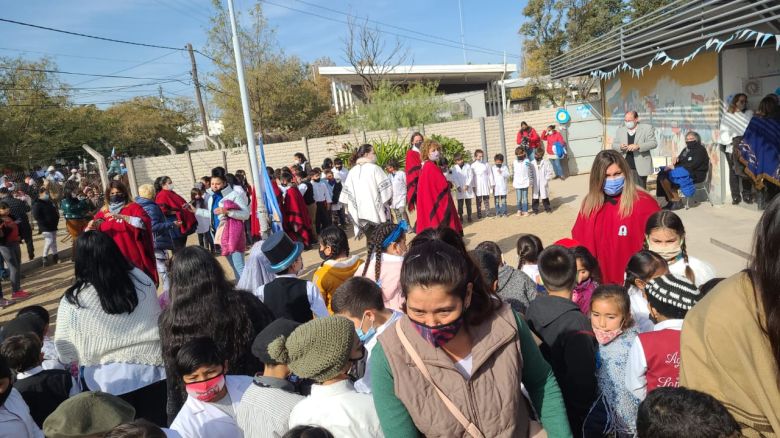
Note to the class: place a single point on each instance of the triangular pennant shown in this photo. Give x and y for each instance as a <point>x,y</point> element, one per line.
<point>759,37</point>
<point>777,42</point>
<point>675,62</point>
<point>743,33</point>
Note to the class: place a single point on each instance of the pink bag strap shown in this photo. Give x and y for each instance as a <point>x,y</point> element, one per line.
<point>471,429</point>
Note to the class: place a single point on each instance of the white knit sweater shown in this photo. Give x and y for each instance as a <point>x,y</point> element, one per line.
<point>90,336</point>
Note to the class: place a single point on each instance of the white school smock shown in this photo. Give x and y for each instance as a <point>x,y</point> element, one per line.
<point>483,179</point>
<point>500,179</point>
<point>462,178</point>
<point>543,173</point>
<point>201,419</point>
<point>398,181</point>
<point>523,174</point>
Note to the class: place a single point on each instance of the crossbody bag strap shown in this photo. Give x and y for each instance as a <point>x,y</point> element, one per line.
<point>470,427</point>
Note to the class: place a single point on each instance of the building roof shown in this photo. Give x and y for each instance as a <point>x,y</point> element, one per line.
<point>676,26</point>
<point>444,74</point>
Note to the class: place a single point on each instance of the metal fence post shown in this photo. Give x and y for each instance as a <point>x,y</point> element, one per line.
<point>305,142</point>
<point>191,167</point>
<point>483,135</point>
<point>131,179</point>
<point>501,133</point>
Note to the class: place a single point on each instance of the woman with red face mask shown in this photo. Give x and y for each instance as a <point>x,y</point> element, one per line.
<point>454,364</point>
<point>209,391</point>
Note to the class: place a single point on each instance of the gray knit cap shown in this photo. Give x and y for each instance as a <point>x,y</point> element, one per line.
<point>317,350</point>
<point>672,290</point>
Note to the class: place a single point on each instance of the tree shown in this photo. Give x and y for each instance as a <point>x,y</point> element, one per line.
<point>556,26</point>
<point>285,96</point>
<point>392,107</point>
<point>368,53</point>
<point>638,9</point>
<point>136,125</point>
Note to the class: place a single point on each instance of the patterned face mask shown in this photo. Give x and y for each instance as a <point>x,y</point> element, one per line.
<point>440,334</point>
<point>604,337</point>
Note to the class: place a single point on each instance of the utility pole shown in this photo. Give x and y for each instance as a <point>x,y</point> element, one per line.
<point>203,121</point>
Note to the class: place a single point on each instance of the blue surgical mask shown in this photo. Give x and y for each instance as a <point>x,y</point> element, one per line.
<point>614,186</point>
<point>365,336</point>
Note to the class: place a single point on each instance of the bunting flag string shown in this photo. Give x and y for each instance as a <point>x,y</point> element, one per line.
<point>663,58</point>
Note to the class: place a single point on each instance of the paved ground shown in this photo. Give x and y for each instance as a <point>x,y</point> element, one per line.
<point>730,227</point>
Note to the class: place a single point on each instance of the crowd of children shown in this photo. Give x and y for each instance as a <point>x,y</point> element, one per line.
<point>417,337</point>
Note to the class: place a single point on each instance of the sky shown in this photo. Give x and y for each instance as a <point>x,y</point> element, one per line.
<point>309,29</point>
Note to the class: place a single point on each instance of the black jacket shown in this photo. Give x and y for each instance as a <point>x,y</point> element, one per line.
<point>46,214</point>
<point>570,347</point>
<point>696,161</point>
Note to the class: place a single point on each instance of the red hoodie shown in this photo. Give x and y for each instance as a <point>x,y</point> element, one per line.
<point>612,239</point>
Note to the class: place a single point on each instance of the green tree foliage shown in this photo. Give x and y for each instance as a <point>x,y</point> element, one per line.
<point>137,125</point>
<point>391,107</point>
<point>554,26</point>
<point>394,148</point>
<point>638,9</point>
<point>285,97</point>
<point>39,124</point>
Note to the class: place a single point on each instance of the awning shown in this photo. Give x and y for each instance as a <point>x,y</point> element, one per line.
<point>663,35</point>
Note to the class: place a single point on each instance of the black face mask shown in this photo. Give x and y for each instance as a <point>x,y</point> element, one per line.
<point>691,144</point>
<point>520,157</point>
<point>323,256</point>
<point>115,199</point>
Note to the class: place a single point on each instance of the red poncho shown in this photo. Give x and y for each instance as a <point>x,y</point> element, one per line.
<point>254,222</point>
<point>612,239</point>
<point>172,204</point>
<point>297,223</point>
<point>134,243</point>
<point>435,207</point>
<point>412,168</point>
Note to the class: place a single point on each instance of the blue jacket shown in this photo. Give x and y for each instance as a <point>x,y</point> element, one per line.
<point>160,225</point>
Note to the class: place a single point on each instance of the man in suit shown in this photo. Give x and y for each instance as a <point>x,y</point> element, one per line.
<point>635,141</point>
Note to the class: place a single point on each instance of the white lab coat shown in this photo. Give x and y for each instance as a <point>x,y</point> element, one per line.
<point>398,180</point>
<point>199,419</point>
<point>523,174</point>
<point>543,173</point>
<point>500,179</point>
<point>461,179</point>
<point>483,179</point>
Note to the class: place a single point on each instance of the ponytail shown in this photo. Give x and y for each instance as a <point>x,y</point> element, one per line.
<point>689,274</point>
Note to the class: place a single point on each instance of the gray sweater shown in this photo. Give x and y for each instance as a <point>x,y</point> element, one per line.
<point>515,288</point>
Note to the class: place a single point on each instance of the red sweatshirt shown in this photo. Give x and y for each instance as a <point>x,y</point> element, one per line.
<point>612,239</point>
<point>533,138</point>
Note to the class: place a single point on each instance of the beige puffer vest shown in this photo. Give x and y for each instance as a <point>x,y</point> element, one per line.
<point>491,398</point>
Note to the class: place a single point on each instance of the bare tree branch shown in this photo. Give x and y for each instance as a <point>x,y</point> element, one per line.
<point>367,52</point>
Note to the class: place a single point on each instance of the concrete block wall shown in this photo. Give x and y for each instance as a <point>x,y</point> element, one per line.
<point>317,149</point>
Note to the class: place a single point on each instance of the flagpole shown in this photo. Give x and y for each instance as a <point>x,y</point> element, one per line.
<point>258,183</point>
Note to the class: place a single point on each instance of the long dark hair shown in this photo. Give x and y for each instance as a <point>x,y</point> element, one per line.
<point>336,239</point>
<point>375,250</point>
<point>203,303</point>
<point>642,265</point>
<point>764,272</point>
<point>361,152</point>
<point>160,182</point>
<point>100,264</point>
<point>589,262</point>
<point>114,184</point>
<point>435,262</point>
<point>669,220</point>
<point>529,246</point>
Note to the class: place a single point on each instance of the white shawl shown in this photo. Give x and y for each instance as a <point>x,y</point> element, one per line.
<point>367,190</point>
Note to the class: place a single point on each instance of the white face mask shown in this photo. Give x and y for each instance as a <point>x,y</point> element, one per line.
<point>630,124</point>
<point>434,155</point>
<point>170,186</point>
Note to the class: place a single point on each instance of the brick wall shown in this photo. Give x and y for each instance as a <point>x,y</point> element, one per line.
<point>177,167</point>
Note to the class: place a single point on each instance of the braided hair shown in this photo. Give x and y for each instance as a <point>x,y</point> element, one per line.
<point>529,247</point>
<point>375,249</point>
<point>667,219</point>
<point>335,238</point>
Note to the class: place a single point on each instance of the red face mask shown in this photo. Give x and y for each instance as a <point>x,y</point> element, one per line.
<point>440,334</point>
<point>206,390</point>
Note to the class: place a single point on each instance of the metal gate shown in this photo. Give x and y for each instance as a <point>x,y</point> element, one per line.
<point>584,136</point>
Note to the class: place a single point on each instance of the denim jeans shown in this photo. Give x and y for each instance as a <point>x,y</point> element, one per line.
<point>500,202</point>
<point>558,167</point>
<point>522,200</point>
<point>236,261</point>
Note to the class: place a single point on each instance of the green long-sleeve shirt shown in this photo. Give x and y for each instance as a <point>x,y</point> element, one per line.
<point>538,379</point>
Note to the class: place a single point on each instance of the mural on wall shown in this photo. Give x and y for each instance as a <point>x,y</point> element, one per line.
<point>673,101</point>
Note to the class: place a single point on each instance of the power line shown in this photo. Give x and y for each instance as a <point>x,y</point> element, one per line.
<point>128,68</point>
<point>68,55</point>
<point>91,36</point>
<point>399,35</point>
<point>113,40</point>
<point>404,29</point>
<point>88,74</point>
